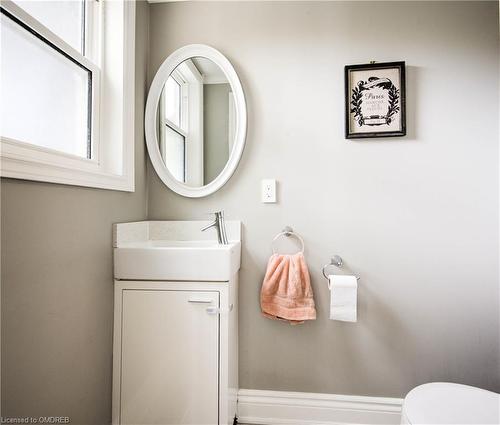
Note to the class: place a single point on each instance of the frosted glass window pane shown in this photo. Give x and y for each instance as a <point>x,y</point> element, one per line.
<point>173,101</point>
<point>45,95</point>
<point>64,18</point>
<point>174,153</point>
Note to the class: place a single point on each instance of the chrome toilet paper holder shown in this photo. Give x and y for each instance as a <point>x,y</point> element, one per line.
<point>336,261</point>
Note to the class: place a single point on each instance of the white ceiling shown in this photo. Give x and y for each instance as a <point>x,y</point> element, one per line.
<point>212,74</point>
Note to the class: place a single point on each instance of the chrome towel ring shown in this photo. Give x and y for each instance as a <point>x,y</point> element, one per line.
<point>287,232</point>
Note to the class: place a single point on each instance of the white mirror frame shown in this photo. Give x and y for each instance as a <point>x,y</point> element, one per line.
<point>150,120</point>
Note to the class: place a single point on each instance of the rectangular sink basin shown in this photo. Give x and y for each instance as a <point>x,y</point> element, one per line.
<point>170,250</point>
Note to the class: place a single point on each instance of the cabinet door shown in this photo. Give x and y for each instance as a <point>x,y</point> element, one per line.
<point>170,352</point>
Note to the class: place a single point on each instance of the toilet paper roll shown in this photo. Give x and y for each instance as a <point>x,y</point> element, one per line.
<point>343,297</point>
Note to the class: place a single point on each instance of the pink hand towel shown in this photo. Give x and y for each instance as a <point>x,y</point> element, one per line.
<point>286,292</point>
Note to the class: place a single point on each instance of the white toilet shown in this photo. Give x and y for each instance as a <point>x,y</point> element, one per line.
<point>445,403</point>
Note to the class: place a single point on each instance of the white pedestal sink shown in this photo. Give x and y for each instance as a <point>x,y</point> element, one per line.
<point>175,250</point>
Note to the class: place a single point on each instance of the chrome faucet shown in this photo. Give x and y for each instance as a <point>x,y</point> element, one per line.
<point>220,226</point>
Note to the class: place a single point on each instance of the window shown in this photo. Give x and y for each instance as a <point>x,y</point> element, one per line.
<point>67,86</point>
<point>173,101</point>
<point>46,94</point>
<point>181,124</point>
<point>66,19</point>
<point>175,153</point>
<point>173,123</point>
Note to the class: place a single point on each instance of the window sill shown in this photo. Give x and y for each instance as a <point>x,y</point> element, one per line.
<point>25,168</point>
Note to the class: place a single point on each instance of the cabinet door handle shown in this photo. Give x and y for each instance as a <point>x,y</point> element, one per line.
<point>200,301</point>
<point>212,310</point>
<point>216,310</point>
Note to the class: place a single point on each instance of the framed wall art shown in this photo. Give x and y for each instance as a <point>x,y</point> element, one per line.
<point>375,100</point>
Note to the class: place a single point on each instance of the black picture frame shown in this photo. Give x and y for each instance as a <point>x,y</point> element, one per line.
<point>395,98</point>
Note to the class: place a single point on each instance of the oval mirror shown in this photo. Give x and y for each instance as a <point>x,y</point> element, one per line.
<point>195,121</point>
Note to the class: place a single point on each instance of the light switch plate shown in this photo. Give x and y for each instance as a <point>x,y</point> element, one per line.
<point>268,192</point>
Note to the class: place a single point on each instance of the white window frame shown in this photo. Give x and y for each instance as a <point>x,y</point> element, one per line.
<point>194,141</point>
<point>113,98</point>
<point>191,125</point>
<point>182,128</point>
<point>165,122</point>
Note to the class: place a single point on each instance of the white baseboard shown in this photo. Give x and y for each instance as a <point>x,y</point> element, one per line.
<point>258,407</point>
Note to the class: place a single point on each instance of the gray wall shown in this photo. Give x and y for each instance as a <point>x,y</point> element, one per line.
<point>416,217</point>
<point>215,129</point>
<point>57,285</point>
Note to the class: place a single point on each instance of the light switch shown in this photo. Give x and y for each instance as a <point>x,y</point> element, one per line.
<point>268,194</point>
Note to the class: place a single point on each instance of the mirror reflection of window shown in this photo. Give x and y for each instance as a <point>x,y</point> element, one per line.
<point>197,122</point>
<point>173,128</point>
<point>172,101</point>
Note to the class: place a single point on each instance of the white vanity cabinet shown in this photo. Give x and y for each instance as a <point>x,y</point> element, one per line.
<point>175,351</point>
